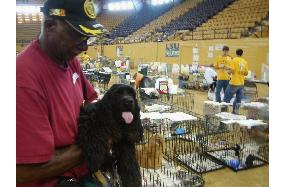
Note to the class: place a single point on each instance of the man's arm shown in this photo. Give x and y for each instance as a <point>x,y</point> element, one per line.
<point>245,71</point>
<point>230,68</point>
<point>63,160</point>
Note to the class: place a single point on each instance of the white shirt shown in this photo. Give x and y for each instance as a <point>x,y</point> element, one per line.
<point>118,63</point>
<point>127,64</point>
<point>209,75</point>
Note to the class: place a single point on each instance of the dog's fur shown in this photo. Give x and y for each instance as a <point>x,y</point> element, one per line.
<point>101,128</point>
<point>249,160</point>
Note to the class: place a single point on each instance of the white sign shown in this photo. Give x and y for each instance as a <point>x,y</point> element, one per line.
<point>219,47</point>
<point>210,54</point>
<point>195,57</point>
<point>195,50</point>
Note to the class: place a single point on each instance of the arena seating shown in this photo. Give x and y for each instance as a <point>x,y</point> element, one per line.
<point>143,16</point>
<point>28,26</point>
<point>164,19</point>
<point>262,29</point>
<point>189,20</point>
<point>112,19</point>
<point>25,32</point>
<point>234,21</point>
<point>196,16</point>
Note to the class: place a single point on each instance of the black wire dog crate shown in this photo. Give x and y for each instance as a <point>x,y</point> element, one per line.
<point>103,79</point>
<point>238,143</point>
<point>183,100</point>
<point>184,145</point>
<point>156,154</point>
<point>157,170</point>
<point>255,110</point>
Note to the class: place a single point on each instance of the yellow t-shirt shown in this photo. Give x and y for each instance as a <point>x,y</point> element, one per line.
<point>240,70</point>
<point>85,58</point>
<point>222,61</point>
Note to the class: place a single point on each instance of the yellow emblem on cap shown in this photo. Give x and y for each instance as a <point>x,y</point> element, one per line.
<point>57,12</point>
<point>89,8</point>
<point>91,31</point>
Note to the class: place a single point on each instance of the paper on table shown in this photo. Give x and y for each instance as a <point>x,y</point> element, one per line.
<point>227,115</point>
<point>247,123</point>
<point>177,116</point>
<point>250,123</point>
<point>156,107</point>
<point>151,115</point>
<point>217,103</point>
<point>255,105</point>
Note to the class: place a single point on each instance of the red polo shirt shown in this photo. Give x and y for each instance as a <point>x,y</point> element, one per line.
<point>48,104</point>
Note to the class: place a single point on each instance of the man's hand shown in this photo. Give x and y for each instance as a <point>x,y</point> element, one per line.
<point>64,159</point>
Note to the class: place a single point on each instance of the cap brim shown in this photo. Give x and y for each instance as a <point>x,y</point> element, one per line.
<point>88,28</point>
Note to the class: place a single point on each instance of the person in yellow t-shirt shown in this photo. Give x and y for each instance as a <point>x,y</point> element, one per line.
<point>223,76</point>
<point>238,69</point>
<point>85,58</point>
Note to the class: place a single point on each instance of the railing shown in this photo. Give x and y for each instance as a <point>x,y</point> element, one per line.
<point>217,34</point>
<point>23,42</point>
<point>229,33</point>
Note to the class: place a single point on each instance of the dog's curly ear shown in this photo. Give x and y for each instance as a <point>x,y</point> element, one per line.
<point>140,129</point>
<point>127,164</point>
<point>92,142</point>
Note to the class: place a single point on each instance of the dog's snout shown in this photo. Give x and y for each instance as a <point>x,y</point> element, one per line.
<point>128,102</point>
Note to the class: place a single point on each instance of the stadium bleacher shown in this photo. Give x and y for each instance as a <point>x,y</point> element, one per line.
<point>164,19</point>
<point>196,16</point>
<point>183,20</point>
<point>145,15</point>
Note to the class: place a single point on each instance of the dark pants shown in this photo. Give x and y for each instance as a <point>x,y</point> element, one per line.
<point>221,84</point>
<point>229,94</point>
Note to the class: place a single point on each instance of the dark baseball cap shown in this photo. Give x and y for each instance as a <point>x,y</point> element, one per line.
<point>80,14</point>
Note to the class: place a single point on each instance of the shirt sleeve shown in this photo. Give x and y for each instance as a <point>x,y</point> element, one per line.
<point>246,69</point>
<point>231,64</point>
<point>34,136</point>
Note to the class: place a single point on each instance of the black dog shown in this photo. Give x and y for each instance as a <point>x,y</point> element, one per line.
<point>112,123</point>
<point>249,160</point>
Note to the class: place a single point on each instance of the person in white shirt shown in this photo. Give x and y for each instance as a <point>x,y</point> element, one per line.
<point>118,63</point>
<point>209,76</point>
<point>127,63</point>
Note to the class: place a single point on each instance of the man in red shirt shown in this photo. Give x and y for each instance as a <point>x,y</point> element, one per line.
<point>50,90</point>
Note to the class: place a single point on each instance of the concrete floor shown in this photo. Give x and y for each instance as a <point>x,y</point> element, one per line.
<point>257,177</point>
